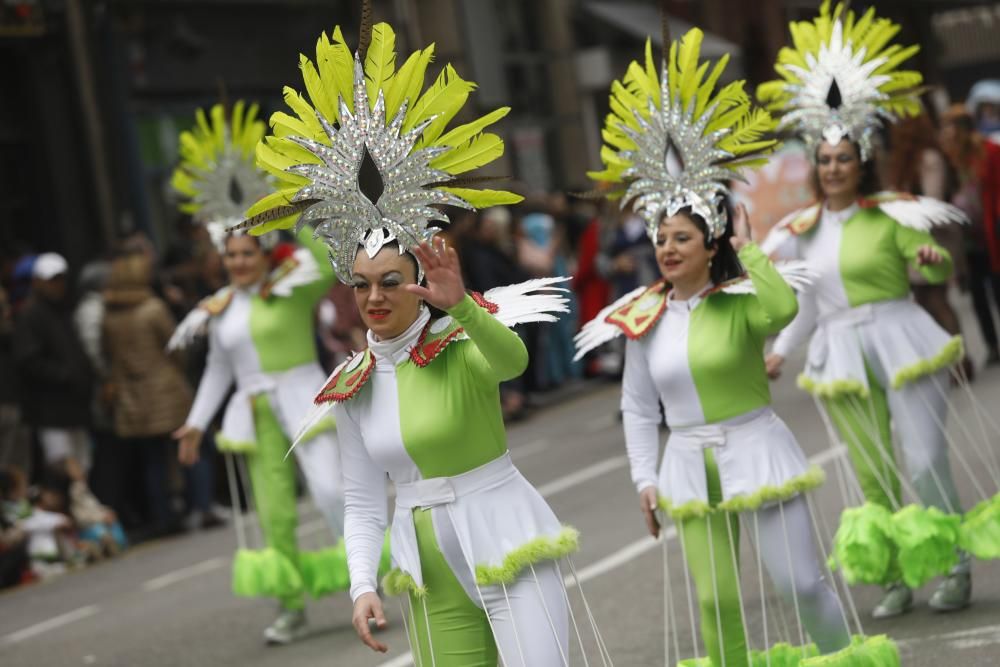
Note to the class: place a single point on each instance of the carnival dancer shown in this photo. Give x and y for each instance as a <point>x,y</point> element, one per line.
<point>261,338</point>
<point>875,357</point>
<point>695,347</point>
<point>474,545</point>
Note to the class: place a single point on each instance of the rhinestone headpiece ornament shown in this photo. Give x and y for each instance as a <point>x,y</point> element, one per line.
<point>674,142</point>
<point>840,79</point>
<point>366,159</point>
<point>217,177</point>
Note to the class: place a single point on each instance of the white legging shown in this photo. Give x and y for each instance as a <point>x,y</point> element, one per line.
<point>785,543</point>
<point>919,410</point>
<point>529,617</point>
<point>531,614</point>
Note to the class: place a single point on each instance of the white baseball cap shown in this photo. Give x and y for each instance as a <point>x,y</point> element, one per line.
<point>986,91</point>
<point>48,265</point>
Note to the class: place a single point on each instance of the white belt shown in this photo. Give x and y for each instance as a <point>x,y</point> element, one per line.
<point>713,435</point>
<point>445,490</point>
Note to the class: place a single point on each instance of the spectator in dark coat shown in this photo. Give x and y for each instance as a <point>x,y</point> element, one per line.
<point>55,376</point>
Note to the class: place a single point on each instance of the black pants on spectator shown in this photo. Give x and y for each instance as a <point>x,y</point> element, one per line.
<point>982,280</point>
<point>154,454</point>
<point>13,563</point>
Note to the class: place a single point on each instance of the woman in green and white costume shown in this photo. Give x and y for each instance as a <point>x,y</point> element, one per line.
<point>875,357</point>
<point>474,545</point>
<point>261,339</point>
<point>696,348</point>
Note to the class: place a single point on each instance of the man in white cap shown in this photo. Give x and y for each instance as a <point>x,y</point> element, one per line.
<point>984,105</point>
<point>55,375</point>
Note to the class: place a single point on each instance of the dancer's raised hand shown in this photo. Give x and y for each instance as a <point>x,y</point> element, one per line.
<point>445,288</point>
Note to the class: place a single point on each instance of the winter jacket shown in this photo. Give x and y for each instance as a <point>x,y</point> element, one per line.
<point>55,377</point>
<point>151,395</point>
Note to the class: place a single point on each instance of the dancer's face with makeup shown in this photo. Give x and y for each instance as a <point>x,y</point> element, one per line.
<point>386,307</point>
<point>245,261</point>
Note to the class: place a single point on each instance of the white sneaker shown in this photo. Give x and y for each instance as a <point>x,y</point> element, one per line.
<point>288,627</point>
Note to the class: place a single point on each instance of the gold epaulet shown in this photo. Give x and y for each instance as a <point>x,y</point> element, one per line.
<point>217,303</point>
<point>638,317</point>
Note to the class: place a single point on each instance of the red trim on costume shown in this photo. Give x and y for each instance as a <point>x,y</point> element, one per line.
<point>424,353</point>
<point>356,381</point>
<point>482,302</point>
<point>874,202</point>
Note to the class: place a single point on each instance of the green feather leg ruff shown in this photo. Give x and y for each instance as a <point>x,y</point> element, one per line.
<point>877,651</point>
<point>225,444</point>
<point>863,546</point>
<point>979,533</point>
<point>779,655</point>
<point>927,542</point>
<point>324,572</point>
<point>265,573</point>
<point>537,550</point>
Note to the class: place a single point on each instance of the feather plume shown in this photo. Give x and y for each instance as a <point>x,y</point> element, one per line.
<point>193,325</point>
<point>597,332</point>
<point>535,300</point>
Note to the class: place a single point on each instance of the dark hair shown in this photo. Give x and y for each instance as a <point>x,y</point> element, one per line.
<point>725,264</point>
<point>868,184</point>
<point>230,236</point>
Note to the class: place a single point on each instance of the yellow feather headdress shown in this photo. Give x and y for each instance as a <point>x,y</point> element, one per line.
<point>674,141</point>
<point>841,78</point>
<point>365,155</point>
<point>217,177</point>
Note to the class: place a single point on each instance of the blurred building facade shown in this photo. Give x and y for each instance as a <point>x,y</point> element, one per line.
<point>93,93</point>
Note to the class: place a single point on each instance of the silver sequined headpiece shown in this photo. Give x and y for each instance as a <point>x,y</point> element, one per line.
<point>674,141</point>
<point>840,80</point>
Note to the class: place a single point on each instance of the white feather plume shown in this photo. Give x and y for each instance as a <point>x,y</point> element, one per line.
<point>193,325</point>
<point>923,214</point>
<point>531,301</point>
<point>796,273</point>
<point>305,273</point>
<point>597,332</point>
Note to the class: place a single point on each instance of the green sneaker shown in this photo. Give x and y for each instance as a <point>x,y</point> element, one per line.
<point>289,626</point>
<point>954,592</point>
<point>897,601</point>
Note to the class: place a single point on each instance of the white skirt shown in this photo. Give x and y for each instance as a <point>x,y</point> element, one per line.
<point>898,337</point>
<point>758,458</point>
<point>501,521</point>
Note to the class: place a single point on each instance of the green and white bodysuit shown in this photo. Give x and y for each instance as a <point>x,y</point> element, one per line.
<point>261,340</point>
<point>728,453</point>
<point>469,533</point>
<point>877,359</point>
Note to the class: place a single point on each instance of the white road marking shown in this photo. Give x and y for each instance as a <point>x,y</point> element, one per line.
<point>582,475</point>
<point>51,624</point>
<point>533,447</point>
<point>188,572</point>
<point>968,637</point>
<point>618,558</point>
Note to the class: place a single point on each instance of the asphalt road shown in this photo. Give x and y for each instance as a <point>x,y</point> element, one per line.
<point>168,603</point>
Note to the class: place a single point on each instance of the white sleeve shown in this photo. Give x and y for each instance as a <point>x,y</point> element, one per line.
<point>796,333</point>
<point>365,511</point>
<point>640,416</point>
<point>214,386</point>
<point>799,330</point>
